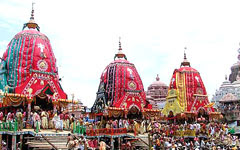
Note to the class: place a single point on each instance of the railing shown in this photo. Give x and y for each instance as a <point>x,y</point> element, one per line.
<point>185,133</point>
<point>143,141</point>
<point>9,126</point>
<point>37,127</point>
<point>105,131</point>
<point>49,142</point>
<point>79,129</point>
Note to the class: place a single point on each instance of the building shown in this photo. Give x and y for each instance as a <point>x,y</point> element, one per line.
<point>235,69</point>
<point>227,97</point>
<point>226,88</point>
<point>157,93</point>
<point>229,106</point>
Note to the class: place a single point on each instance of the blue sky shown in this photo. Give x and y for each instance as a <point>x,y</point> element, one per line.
<point>84,37</point>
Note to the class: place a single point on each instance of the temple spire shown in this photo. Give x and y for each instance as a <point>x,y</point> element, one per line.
<point>32,14</point>
<point>120,46</point>
<point>31,23</point>
<point>185,61</point>
<point>120,54</point>
<point>185,57</point>
<point>157,78</point>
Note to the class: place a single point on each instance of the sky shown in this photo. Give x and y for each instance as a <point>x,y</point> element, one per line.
<point>84,36</point>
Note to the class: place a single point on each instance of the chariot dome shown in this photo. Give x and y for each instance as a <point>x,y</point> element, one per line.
<point>28,66</point>
<point>120,87</point>
<point>187,93</point>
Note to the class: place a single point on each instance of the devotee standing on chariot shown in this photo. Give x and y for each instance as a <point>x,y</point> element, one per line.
<point>66,120</point>
<point>37,121</point>
<point>44,116</point>
<point>19,116</point>
<point>50,119</point>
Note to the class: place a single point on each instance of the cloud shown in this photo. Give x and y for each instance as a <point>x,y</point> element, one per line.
<point>3,46</point>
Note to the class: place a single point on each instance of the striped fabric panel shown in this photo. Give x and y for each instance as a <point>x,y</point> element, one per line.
<point>20,65</point>
<point>25,70</point>
<point>116,83</point>
<point>49,50</point>
<point>11,60</point>
<point>16,60</point>
<point>33,46</point>
<point>107,83</point>
<point>113,84</point>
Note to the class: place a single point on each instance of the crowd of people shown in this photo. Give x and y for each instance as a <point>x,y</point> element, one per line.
<point>197,136</point>
<point>50,120</point>
<point>228,107</point>
<point>81,143</point>
<point>39,119</point>
<point>19,116</point>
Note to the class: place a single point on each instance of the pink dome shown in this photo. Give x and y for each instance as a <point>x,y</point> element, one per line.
<point>157,93</point>
<point>158,82</point>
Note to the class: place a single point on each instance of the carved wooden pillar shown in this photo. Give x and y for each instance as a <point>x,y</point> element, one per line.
<point>29,102</point>
<point>21,141</point>
<point>119,143</point>
<point>14,142</point>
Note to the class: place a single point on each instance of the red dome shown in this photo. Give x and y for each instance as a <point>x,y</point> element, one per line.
<point>31,64</point>
<point>186,91</point>
<point>120,86</point>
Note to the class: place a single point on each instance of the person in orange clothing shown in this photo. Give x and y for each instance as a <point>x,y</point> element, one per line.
<point>67,121</point>
<point>50,119</point>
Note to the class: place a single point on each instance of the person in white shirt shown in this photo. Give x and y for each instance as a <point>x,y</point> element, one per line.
<point>198,126</point>
<point>202,144</point>
<point>197,145</point>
